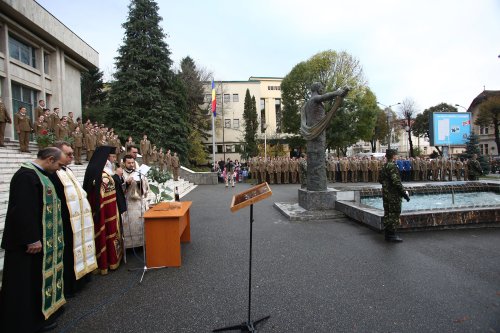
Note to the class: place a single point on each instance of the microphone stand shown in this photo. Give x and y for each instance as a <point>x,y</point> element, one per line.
<point>145,268</point>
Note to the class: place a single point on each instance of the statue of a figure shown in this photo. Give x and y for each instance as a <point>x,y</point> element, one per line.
<point>314,122</point>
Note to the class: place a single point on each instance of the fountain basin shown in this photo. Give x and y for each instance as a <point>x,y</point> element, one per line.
<point>485,212</point>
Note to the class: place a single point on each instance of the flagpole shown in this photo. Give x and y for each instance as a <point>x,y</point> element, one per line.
<point>214,113</point>
<point>213,138</point>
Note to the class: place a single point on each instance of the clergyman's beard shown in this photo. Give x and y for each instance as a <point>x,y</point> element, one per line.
<point>130,170</point>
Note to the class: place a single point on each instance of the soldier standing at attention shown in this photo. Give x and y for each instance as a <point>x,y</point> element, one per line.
<point>365,167</point>
<point>277,169</point>
<point>392,192</point>
<point>78,145</point>
<point>145,149</point>
<point>262,170</point>
<point>4,119</point>
<point>40,109</point>
<point>175,166</point>
<point>23,127</point>
<point>374,169</point>
<point>285,168</point>
<point>475,169</point>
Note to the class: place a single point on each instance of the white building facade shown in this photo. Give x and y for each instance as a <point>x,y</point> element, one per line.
<point>40,59</point>
<point>229,123</point>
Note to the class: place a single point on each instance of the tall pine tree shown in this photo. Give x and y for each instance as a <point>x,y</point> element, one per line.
<point>198,120</point>
<point>251,125</point>
<point>146,97</point>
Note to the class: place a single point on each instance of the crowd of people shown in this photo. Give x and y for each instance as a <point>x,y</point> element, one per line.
<point>58,231</point>
<point>84,137</point>
<point>285,170</point>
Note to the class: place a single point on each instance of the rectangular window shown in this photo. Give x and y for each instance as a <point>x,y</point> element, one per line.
<point>236,98</point>
<point>227,98</point>
<point>208,98</point>
<point>46,63</point>
<point>219,149</point>
<point>483,129</point>
<point>236,123</point>
<point>277,108</point>
<point>262,115</point>
<point>218,98</point>
<point>23,97</point>
<point>229,149</point>
<point>227,123</point>
<point>22,52</point>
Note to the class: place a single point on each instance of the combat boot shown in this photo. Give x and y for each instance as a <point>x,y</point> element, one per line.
<point>390,236</point>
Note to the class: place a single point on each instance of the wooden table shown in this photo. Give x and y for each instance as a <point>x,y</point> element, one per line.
<point>165,229</point>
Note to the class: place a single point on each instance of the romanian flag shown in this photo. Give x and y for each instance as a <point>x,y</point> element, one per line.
<point>214,102</point>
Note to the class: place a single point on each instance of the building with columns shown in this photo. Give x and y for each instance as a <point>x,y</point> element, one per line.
<point>40,59</point>
<point>229,123</point>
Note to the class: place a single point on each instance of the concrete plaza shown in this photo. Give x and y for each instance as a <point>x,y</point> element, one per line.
<point>314,276</point>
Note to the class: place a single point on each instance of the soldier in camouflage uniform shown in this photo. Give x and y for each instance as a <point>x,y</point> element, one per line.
<point>392,192</point>
<point>475,169</point>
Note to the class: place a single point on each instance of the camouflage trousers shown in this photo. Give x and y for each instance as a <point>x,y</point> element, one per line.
<point>392,211</point>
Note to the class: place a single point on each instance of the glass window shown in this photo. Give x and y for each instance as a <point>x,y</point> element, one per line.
<point>227,123</point>
<point>277,108</point>
<point>236,123</point>
<point>227,98</point>
<point>218,98</point>
<point>46,63</point>
<point>219,149</point>
<point>236,98</point>
<point>22,52</point>
<point>229,149</point>
<point>208,98</point>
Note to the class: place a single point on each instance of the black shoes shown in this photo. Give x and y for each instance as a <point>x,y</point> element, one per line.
<point>390,236</point>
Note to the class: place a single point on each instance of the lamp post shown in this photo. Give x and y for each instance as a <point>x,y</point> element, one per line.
<point>388,112</point>
<point>463,107</point>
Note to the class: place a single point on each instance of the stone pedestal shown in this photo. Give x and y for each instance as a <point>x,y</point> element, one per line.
<point>317,200</point>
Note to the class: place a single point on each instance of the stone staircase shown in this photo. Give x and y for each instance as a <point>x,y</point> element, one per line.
<point>10,161</point>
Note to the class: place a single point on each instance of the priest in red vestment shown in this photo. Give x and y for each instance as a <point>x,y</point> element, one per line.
<point>100,186</point>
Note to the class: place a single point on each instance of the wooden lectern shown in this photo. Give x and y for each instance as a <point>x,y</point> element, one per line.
<point>241,200</point>
<point>166,225</point>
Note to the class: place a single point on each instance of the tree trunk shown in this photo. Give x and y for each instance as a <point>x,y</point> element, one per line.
<point>373,143</point>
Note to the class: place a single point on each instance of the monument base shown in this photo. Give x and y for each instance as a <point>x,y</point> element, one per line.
<point>318,200</point>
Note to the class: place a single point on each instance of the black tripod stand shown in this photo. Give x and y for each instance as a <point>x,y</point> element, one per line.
<point>145,268</point>
<point>249,325</point>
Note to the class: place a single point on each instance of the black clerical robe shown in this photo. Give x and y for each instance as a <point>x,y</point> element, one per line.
<point>21,294</point>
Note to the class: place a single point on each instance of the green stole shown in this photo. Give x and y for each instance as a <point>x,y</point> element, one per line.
<point>53,246</point>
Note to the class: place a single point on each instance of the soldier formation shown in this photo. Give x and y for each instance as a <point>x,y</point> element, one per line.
<point>285,170</point>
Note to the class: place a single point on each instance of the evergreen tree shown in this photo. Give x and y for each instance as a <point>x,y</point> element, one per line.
<point>92,88</point>
<point>94,103</point>
<point>146,97</point>
<point>198,121</point>
<point>251,125</point>
<point>472,147</point>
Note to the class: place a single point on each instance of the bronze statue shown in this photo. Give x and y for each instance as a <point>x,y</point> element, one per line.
<point>314,122</point>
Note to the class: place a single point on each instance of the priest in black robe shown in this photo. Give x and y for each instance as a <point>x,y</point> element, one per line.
<point>22,306</point>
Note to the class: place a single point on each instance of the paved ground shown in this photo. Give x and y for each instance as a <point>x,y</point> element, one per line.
<point>321,276</point>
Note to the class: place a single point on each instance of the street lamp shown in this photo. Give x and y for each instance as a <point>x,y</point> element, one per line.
<point>463,107</point>
<point>388,113</point>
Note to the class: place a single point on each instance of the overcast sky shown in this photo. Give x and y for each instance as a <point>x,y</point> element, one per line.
<point>431,51</point>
